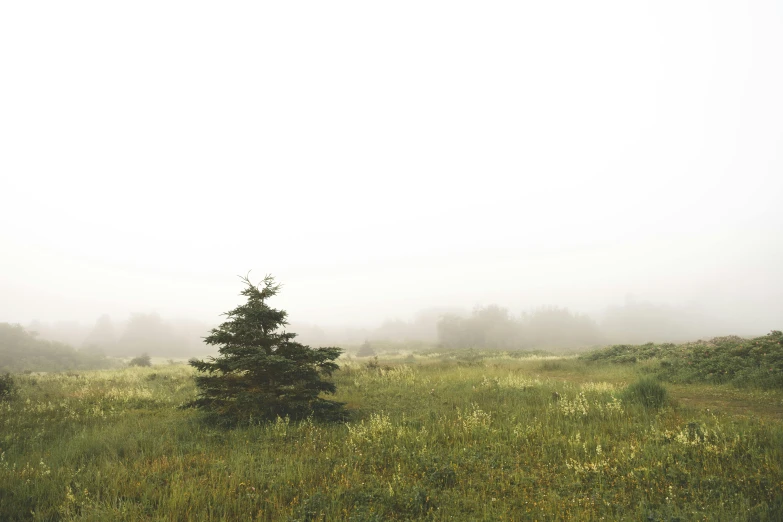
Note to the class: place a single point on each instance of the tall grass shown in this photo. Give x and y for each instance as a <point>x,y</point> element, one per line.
<point>646,391</point>
<point>496,439</point>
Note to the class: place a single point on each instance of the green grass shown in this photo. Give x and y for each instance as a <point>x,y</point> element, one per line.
<point>646,391</point>
<point>483,436</point>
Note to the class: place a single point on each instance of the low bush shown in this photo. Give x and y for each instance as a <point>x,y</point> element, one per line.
<point>141,360</point>
<point>629,354</point>
<point>741,362</point>
<point>7,386</point>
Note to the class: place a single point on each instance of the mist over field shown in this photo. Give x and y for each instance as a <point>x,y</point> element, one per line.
<point>588,173</point>
<point>532,253</point>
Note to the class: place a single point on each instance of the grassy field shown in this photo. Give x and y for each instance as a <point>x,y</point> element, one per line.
<point>432,437</point>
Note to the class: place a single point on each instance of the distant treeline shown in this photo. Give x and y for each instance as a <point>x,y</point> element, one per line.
<point>142,333</point>
<point>494,328</point>
<point>545,328</point>
<point>22,351</point>
<point>552,328</point>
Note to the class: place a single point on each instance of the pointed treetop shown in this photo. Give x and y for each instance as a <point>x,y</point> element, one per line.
<point>263,290</point>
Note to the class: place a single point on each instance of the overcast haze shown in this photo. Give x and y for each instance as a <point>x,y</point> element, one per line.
<point>382,158</point>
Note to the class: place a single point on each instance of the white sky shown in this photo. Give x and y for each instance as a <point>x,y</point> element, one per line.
<point>379,158</point>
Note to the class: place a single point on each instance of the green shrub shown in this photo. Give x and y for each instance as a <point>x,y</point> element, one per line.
<point>141,360</point>
<point>732,360</point>
<point>741,362</point>
<point>628,353</point>
<point>7,386</point>
<point>646,391</point>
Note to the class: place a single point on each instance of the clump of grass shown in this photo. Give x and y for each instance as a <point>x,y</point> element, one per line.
<point>646,391</point>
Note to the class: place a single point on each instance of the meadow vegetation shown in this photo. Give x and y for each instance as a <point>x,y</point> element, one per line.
<point>434,436</point>
<point>741,362</point>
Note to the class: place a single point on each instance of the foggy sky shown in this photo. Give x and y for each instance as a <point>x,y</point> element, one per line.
<point>382,159</point>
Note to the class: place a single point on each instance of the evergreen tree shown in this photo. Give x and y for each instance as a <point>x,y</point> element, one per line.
<point>103,338</point>
<point>261,372</point>
<point>365,350</point>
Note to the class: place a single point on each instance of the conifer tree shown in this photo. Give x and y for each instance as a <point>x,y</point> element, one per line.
<point>262,372</point>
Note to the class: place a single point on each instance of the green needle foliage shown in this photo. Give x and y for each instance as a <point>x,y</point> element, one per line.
<point>262,373</point>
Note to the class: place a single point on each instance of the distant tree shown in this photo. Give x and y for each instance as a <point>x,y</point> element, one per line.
<point>487,327</point>
<point>495,328</point>
<point>66,332</point>
<point>21,351</point>
<point>142,360</point>
<point>103,338</point>
<point>149,333</point>
<point>392,330</point>
<point>261,372</point>
<point>641,322</point>
<point>425,324</point>
<point>555,327</point>
<point>455,332</point>
<point>365,350</point>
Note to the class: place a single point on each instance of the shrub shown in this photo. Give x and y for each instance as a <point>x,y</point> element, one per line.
<point>7,386</point>
<point>373,363</point>
<point>722,360</point>
<point>742,362</point>
<point>628,354</point>
<point>646,391</point>
<point>141,360</point>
